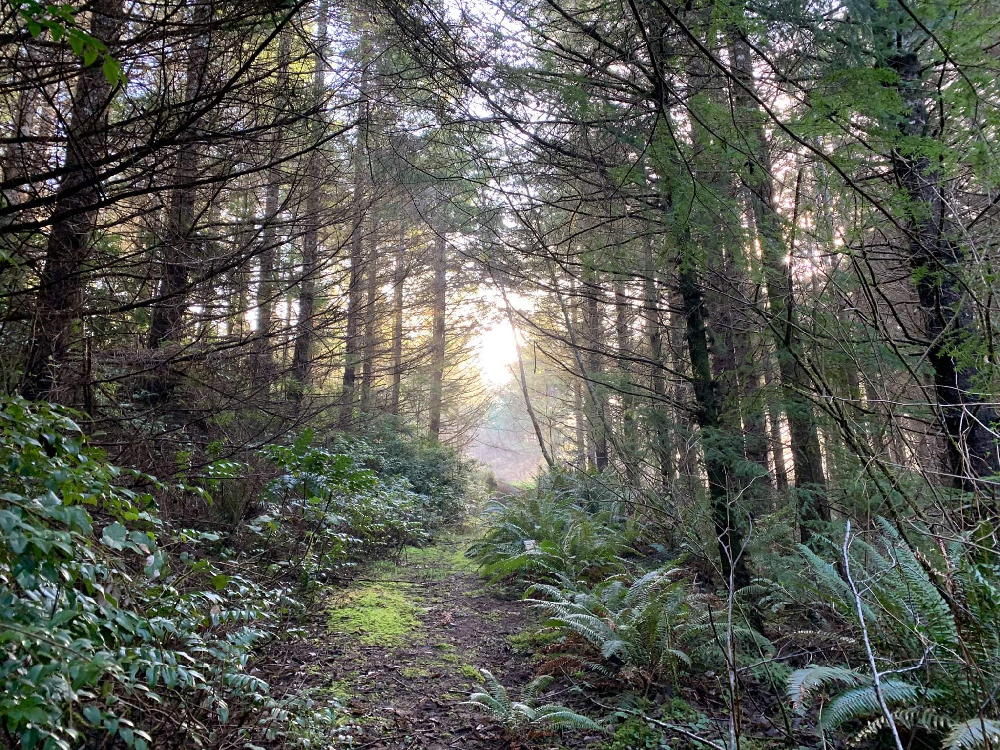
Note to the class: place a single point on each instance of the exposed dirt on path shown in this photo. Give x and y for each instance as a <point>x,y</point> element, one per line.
<point>401,650</point>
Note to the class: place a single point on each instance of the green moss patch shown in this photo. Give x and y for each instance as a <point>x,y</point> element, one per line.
<point>340,690</point>
<point>530,641</point>
<point>472,673</point>
<point>416,672</point>
<point>377,615</point>
<point>438,561</point>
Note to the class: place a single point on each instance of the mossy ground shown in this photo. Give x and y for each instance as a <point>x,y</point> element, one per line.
<point>440,560</point>
<point>379,614</point>
<point>402,650</point>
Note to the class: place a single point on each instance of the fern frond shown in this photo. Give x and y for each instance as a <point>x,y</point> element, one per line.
<point>488,702</point>
<point>803,683</point>
<point>861,702</point>
<point>497,691</point>
<point>554,715</point>
<point>973,733</point>
<point>534,688</point>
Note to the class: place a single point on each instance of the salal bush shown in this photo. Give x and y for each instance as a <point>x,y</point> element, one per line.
<point>446,482</point>
<point>111,624</point>
<point>932,616</point>
<point>326,512</point>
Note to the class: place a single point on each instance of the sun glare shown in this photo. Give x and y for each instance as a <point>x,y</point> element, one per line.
<point>497,353</point>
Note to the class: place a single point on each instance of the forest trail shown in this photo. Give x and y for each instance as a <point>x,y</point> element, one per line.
<point>401,648</point>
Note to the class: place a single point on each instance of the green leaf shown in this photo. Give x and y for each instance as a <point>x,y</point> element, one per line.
<point>112,71</point>
<point>114,536</point>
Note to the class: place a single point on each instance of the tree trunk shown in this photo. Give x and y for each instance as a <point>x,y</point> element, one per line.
<point>593,321</point>
<point>629,442</point>
<point>180,248</point>
<point>777,440</point>
<point>19,154</point>
<point>266,283</point>
<point>62,281</point>
<point>938,258</point>
<point>302,355</point>
<point>810,482</point>
<point>399,277</point>
<point>708,416</point>
<point>579,425</point>
<point>579,416</point>
<point>355,298</point>
<point>370,342</point>
<point>439,263</point>
<point>660,408</point>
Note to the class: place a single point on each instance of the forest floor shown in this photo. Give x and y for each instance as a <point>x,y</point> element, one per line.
<point>401,649</point>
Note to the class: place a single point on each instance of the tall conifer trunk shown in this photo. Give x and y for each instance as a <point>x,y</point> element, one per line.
<point>810,480</point>
<point>399,278</point>
<point>439,263</point>
<point>57,331</point>
<point>938,257</point>
<point>355,291</point>
<point>303,353</point>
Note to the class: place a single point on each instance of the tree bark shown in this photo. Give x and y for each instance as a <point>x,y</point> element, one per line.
<point>938,257</point>
<point>267,282</point>
<point>777,441</point>
<point>305,324</point>
<point>659,409</point>
<point>399,277</point>
<point>708,417</point>
<point>355,298</point>
<point>629,442</point>
<point>180,248</point>
<point>370,340</point>
<point>810,481</point>
<point>593,321</point>
<point>62,279</point>
<point>439,263</point>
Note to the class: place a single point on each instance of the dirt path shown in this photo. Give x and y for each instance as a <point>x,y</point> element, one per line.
<point>401,650</point>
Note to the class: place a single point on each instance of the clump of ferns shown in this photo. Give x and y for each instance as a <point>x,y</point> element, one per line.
<point>525,715</point>
<point>934,615</point>
<point>628,629</point>
<point>705,634</point>
<point>545,536</point>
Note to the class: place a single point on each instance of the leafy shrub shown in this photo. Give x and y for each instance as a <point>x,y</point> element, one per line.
<point>636,734</point>
<point>525,714</point>
<point>111,624</point>
<point>326,512</point>
<point>436,472</point>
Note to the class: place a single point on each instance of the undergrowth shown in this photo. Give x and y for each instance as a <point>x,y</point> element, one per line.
<point>120,624</point>
<point>626,621</point>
